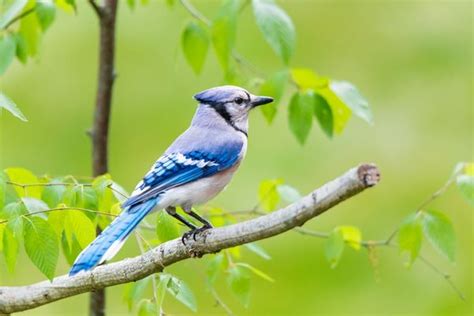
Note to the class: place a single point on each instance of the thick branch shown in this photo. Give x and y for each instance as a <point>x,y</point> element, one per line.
<point>14,299</point>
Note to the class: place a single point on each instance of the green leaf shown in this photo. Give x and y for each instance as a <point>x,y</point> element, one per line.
<point>34,205</point>
<point>134,291</point>
<point>13,213</point>
<point>147,308</point>
<point>70,252</point>
<point>119,192</point>
<point>30,31</point>
<point>68,6</point>
<point>349,94</point>
<point>21,48</point>
<point>182,292</point>
<point>223,32</point>
<point>439,230</point>
<point>10,248</point>
<point>274,86</point>
<point>53,194</point>
<point>276,26</point>
<point>306,78</point>
<point>323,113</point>
<point>256,271</point>
<point>166,227</point>
<point>268,194</point>
<point>465,184</point>
<point>255,248</point>
<point>41,245</point>
<point>334,247</point>
<point>13,11</point>
<point>195,43</point>
<point>46,11</point>
<point>24,176</point>
<point>217,264</point>
<point>341,113</point>
<point>288,193</point>
<point>239,283</point>
<point>7,104</point>
<point>104,194</point>
<point>7,51</point>
<point>410,237</point>
<point>77,224</point>
<point>3,189</point>
<point>300,115</point>
<point>2,229</point>
<point>131,4</point>
<point>352,236</point>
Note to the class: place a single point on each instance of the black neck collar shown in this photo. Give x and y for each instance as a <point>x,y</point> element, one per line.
<point>222,111</point>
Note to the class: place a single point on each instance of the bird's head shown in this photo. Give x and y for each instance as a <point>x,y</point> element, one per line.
<point>231,102</point>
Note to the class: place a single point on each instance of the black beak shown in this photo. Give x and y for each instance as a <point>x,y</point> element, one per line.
<point>261,101</point>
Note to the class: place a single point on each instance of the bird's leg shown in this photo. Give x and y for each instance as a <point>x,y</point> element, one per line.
<point>206,224</point>
<point>171,210</point>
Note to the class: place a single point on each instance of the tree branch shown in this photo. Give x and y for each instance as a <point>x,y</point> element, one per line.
<point>354,181</point>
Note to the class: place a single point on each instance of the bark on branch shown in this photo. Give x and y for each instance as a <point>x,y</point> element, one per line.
<point>354,181</point>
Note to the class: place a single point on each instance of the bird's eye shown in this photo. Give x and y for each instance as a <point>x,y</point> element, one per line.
<point>239,100</point>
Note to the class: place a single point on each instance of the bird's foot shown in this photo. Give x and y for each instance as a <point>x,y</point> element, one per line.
<point>193,233</point>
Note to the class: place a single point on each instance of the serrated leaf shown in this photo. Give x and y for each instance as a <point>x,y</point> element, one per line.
<point>341,113</point>
<point>323,113</point>
<point>334,247</point>
<point>13,10</point>
<point>41,245</point>
<point>238,281</point>
<point>288,193</point>
<point>7,104</point>
<point>223,32</point>
<point>256,249</point>
<point>7,52</point>
<point>24,176</point>
<point>195,43</point>
<point>300,115</point>
<point>465,184</point>
<point>352,236</point>
<point>166,227</point>
<point>53,194</point>
<point>134,291</point>
<point>439,230</point>
<point>46,11</point>
<point>276,26</point>
<point>274,86</point>
<point>268,195</point>
<point>10,248</point>
<point>182,292</point>
<point>256,271</point>
<point>410,237</point>
<point>351,97</point>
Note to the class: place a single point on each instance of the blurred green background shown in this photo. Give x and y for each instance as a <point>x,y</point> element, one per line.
<point>411,59</point>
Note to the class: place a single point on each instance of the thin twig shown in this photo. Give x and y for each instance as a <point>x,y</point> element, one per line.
<point>97,9</point>
<point>221,303</point>
<point>20,16</point>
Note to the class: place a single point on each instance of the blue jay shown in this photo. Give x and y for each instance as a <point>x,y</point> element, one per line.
<point>194,169</point>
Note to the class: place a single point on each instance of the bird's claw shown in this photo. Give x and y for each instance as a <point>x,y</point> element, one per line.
<point>193,233</point>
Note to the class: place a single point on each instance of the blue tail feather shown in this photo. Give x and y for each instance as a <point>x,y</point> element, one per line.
<point>106,245</point>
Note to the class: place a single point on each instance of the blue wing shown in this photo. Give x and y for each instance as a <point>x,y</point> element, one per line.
<point>175,169</point>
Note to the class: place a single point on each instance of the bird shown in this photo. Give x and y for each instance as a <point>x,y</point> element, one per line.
<point>197,166</point>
